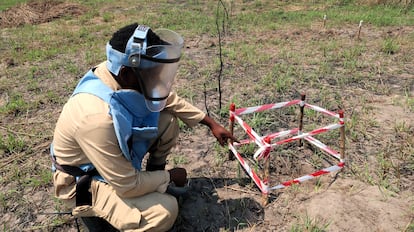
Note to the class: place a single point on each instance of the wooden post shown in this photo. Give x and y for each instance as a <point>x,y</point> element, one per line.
<point>231,128</point>
<point>342,133</point>
<point>359,29</point>
<point>266,172</point>
<point>302,106</point>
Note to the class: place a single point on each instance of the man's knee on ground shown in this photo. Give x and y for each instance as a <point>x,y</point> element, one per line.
<point>162,215</point>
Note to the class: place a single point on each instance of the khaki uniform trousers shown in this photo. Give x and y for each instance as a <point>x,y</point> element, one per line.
<point>151,212</point>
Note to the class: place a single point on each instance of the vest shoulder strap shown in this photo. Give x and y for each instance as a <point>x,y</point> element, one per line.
<point>93,85</point>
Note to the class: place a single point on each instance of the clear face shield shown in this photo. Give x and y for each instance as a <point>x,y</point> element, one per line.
<point>155,66</point>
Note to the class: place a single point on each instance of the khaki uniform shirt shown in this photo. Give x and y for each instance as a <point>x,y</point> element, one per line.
<point>84,134</point>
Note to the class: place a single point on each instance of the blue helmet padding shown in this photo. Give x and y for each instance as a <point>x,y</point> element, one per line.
<point>117,59</point>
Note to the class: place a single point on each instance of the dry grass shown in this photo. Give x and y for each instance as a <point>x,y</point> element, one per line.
<point>38,11</point>
<point>403,3</point>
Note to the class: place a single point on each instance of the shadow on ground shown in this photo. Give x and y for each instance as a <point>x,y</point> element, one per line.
<point>201,206</point>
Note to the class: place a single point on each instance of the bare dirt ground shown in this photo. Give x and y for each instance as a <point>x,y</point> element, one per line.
<point>222,198</point>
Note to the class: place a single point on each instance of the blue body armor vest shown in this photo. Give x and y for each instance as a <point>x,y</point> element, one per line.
<point>134,124</point>
<point>134,127</point>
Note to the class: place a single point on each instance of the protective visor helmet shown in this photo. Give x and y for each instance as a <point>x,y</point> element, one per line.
<point>155,65</point>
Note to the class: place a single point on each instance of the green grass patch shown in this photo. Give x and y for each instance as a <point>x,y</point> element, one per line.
<point>309,224</point>
<point>4,5</point>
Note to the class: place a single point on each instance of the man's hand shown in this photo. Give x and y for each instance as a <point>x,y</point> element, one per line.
<point>178,176</point>
<point>221,133</point>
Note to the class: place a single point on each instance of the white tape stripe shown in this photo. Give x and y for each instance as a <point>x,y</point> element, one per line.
<point>257,138</point>
<point>307,177</point>
<point>254,109</point>
<point>260,184</point>
<point>322,110</point>
<point>323,147</point>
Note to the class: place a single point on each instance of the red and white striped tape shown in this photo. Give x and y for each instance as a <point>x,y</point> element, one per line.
<point>310,176</point>
<point>265,146</point>
<point>324,147</point>
<point>264,188</point>
<point>270,136</point>
<point>282,133</point>
<point>254,109</point>
<point>322,110</point>
<point>252,134</point>
<point>314,132</point>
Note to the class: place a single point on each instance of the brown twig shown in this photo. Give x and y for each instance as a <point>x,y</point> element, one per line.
<point>241,190</point>
<point>16,132</point>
